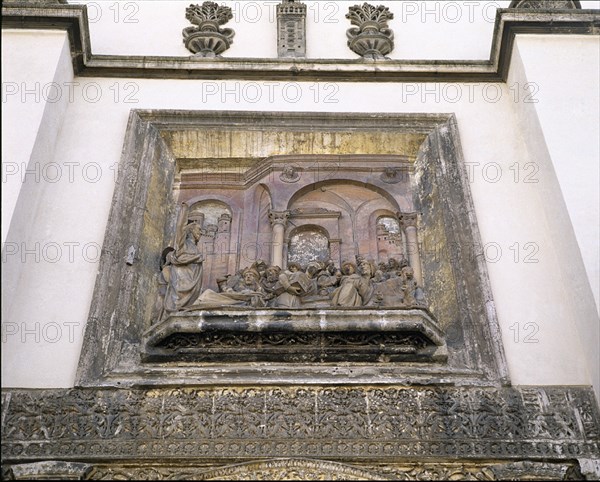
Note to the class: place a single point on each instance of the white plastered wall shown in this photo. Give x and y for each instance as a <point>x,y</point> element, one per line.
<point>563,137</point>
<point>36,78</point>
<point>541,331</point>
<point>32,61</point>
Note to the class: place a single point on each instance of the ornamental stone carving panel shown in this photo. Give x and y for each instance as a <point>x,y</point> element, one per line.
<point>376,423</point>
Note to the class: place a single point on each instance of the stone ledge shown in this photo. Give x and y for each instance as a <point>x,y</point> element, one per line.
<point>297,336</point>
<point>509,23</point>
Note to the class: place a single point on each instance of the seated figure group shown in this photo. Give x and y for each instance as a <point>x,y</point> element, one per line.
<point>317,285</point>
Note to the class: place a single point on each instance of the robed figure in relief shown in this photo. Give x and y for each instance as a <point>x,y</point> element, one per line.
<point>182,270</point>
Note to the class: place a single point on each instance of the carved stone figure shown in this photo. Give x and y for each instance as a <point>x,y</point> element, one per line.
<point>207,39</point>
<point>371,38</point>
<point>182,270</point>
<point>247,291</point>
<point>328,279</point>
<point>355,289</point>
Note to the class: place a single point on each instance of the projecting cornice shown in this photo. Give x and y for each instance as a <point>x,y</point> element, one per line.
<point>509,23</point>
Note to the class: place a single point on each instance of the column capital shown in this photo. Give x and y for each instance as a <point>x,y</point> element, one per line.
<point>279,217</point>
<point>408,220</point>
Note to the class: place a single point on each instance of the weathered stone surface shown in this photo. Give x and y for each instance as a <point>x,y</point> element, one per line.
<point>50,470</point>
<point>546,4</point>
<point>297,336</point>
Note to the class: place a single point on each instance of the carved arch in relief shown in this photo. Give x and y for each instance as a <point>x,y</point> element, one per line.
<point>289,469</point>
<point>330,182</point>
<point>345,208</point>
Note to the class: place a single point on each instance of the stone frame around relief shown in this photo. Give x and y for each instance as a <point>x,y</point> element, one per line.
<point>143,204</point>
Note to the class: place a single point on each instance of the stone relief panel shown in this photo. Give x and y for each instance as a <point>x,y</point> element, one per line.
<point>333,245</point>
<point>337,237</point>
<point>222,208</point>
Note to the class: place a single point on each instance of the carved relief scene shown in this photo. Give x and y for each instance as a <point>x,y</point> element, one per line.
<point>299,234</point>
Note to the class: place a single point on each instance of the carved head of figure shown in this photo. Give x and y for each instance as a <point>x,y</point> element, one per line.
<point>366,268</point>
<point>294,267</point>
<point>260,266</point>
<point>408,273</point>
<point>313,269</point>
<point>251,276</point>
<point>195,230</point>
<point>348,268</point>
<point>272,273</point>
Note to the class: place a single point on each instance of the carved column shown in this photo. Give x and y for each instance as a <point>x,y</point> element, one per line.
<point>279,221</point>
<point>408,221</point>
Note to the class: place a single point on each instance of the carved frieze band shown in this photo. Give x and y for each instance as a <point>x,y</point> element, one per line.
<point>316,422</point>
<point>305,469</point>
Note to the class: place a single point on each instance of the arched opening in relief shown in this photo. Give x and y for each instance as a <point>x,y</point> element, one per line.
<point>390,243</point>
<point>308,243</point>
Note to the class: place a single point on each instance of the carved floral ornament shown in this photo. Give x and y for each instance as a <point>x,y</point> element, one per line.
<point>207,38</point>
<point>371,38</point>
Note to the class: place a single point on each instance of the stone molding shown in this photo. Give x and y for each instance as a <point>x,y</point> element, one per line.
<point>509,23</point>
